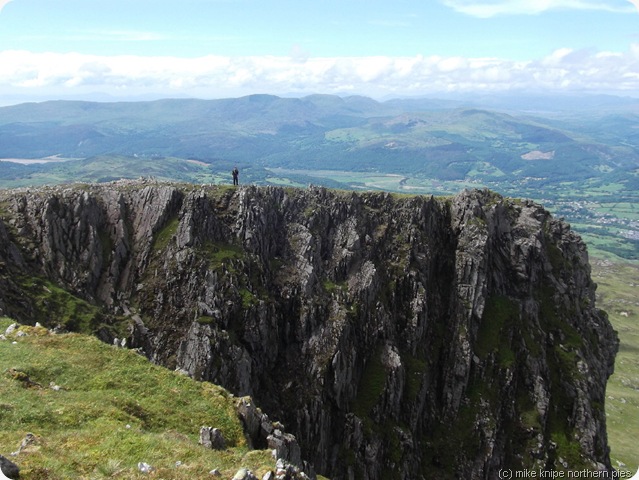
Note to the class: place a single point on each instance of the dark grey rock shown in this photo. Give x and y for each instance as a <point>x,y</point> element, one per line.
<point>285,446</point>
<point>376,327</point>
<point>9,469</point>
<point>212,438</point>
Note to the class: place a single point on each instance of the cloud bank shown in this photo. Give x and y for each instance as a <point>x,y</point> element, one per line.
<point>565,70</point>
<point>487,9</point>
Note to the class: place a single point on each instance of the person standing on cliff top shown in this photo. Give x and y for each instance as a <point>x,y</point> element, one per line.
<point>236,175</point>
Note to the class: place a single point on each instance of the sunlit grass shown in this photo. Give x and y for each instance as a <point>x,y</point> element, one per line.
<point>618,294</point>
<point>113,410</point>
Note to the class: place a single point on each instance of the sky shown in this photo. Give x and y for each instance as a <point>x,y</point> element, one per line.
<point>132,49</point>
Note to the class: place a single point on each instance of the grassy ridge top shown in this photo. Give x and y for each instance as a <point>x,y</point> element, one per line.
<point>113,410</point>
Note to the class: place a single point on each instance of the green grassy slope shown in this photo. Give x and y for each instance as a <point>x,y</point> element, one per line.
<point>618,294</point>
<point>114,409</point>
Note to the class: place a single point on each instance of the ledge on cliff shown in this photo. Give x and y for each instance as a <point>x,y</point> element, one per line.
<point>396,336</point>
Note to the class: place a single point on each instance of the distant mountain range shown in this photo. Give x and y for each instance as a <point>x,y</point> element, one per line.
<point>442,139</point>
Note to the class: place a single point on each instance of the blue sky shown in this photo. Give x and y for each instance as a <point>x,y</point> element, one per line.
<point>219,48</point>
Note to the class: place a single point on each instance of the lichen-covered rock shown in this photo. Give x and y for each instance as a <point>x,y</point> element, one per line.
<point>244,474</point>
<point>284,445</point>
<point>212,438</point>
<point>396,336</point>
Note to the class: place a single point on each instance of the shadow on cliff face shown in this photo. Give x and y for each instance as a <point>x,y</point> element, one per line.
<point>396,336</point>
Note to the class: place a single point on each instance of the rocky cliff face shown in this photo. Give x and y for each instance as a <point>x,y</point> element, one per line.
<point>396,336</point>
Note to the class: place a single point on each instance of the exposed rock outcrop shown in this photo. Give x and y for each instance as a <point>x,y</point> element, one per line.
<point>9,469</point>
<point>212,438</point>
<point>395,336</point>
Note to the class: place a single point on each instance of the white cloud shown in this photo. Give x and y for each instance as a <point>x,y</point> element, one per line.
<point>123,36</point>
<point>60,75</point>
<point>3,3</point>
<point>487,9</point>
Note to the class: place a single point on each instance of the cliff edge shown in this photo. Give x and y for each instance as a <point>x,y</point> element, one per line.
<point>396,336</point>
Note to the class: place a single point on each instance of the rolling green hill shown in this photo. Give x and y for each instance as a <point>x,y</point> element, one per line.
<point>618,286</point>
<point>96,411</point>
<point>353,133</point>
